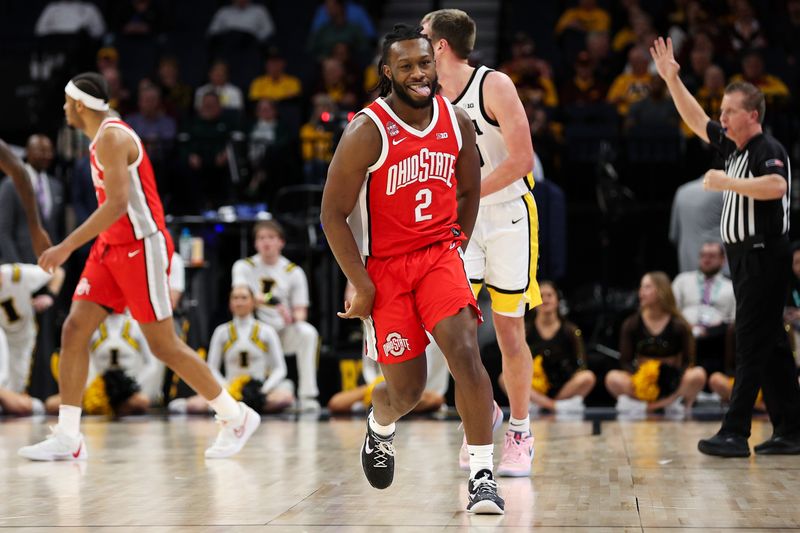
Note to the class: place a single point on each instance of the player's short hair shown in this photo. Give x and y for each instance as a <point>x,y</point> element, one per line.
<point>93,84</point>
<point>400,32</point>
<point>753,98</point>
<point>455,27</point>
<point>271,225</point>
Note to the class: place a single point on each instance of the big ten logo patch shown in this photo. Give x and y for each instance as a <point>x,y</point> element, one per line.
<point>350,371</point>
<point>392,129</point>
<point>395,345</point>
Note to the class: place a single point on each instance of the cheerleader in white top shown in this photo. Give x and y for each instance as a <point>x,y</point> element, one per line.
<point>246,357</point>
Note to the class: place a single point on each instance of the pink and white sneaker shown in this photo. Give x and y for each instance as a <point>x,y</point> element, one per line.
<point>463,454</point>
<point>56,447</point>
<point>232,437</point>
<point>517,455</point>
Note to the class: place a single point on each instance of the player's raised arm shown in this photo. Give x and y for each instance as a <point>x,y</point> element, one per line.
<point>687,105</point>
<point>359,148</point>
<point>11,165</point>
<point>115,149</point>
<point>503,103</point>
<point>468,174</point>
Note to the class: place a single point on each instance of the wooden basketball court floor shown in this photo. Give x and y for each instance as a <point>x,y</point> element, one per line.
<point>149,475</point>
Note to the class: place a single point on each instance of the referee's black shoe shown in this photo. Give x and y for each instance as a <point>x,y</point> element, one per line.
<point>377,458</point>
<point>779,445</point>
<point>725,444</point>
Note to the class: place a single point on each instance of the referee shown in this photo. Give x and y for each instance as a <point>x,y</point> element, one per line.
<point>754,227</point>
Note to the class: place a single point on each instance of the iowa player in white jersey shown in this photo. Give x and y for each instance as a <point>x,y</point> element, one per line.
<point>18,308</point>
<point>251,354</point>
<point>503,250</point>
<point>281,289</point>
<point>119,345</point>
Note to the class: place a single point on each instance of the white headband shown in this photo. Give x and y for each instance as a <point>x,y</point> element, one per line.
<point>92,102</point>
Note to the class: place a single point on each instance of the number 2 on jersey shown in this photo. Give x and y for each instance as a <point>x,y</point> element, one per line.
<point>424,198</point>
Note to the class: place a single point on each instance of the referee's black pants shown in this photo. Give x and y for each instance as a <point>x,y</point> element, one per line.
<point>760,270</point>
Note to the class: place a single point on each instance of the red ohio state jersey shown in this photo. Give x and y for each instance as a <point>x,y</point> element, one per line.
<point>408,200</point>
<point>145,214</point>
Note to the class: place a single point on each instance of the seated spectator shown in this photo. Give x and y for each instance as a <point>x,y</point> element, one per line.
<point>281,291</point>
<point>776,93</point>
<point>523,59</point>
<point>138,18</point>
<point>205,154</point>
<point>633,85</point>
<point>789,30</point>
<point>744,31</point>
<point>316,138</point>
<point>359,399</point>
<point>107,57</point>
<point>156,129</point>
<point>598,46</point>
<point>177,96</point>
<point>337,30</point>
<point>335,84</point>
<point>709,95</point>
<point>353,13</point>
<point>656,354</point>
<point>638,31</point>
<point>67,17</point>
<point>275,84</point>
<point>246,357</point>
<point>230,97</point>
<point>656,110</point>
<point>243,16</point>
<point>585,17</point>
<point>705,299</point>
<point>18,284</point>
<point>693,20</point>
<point>119,95</point>
<point>700,58</point>
<point>123,373</point>
<point>268,138</point>
<point>722,384</point>
<point>583,88</point>
<point>561,379</point>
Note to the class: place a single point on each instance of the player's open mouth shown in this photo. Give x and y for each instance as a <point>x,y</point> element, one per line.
<point>422,90</point>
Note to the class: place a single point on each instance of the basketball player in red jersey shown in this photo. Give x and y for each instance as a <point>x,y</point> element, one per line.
<point>12,166</point>
<point>399,203</point>
<point>127,267</point>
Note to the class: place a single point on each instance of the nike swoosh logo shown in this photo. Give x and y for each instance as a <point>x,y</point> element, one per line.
<point>77,453</point>
<point>134,253</point>
<point>367,449</point>
<point>515,221</point>
<point>238,432</point>
<point>395,142</point>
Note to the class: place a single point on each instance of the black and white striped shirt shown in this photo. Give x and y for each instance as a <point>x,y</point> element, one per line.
<point>744,217</point>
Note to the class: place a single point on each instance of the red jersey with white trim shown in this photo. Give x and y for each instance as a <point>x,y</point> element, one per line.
<point>408,200</point>
<point>145,214</point>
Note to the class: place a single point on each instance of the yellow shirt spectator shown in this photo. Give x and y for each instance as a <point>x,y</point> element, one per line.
<point>593,19</point>
<point>629,88</point>
<point>285,86</point>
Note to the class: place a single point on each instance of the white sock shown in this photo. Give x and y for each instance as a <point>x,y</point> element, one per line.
<point>383,431</point>
<point>519,425</point>
<point>480,458</point>
<point>69,420</point>
<point>225,406</point>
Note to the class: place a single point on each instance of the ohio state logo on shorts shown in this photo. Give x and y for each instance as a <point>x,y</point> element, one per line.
<point>395,345</point>
<point>83,287</point>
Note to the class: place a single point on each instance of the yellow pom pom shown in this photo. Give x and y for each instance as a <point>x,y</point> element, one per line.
<point>370,388</point>
<point>645,381</point>
<point>236,386</point>
<point>539,382</point>
<point>95,399</point>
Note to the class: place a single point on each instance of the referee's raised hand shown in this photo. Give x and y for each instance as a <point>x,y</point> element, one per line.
<point>664,59</point>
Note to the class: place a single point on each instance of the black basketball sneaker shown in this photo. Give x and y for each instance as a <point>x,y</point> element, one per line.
<point>483,497</point>
<point>377,458</point>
